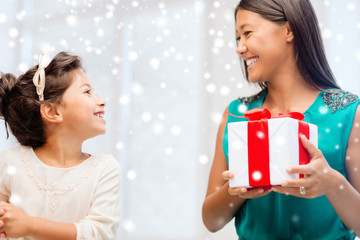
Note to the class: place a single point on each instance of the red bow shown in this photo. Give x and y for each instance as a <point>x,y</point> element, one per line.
<point>264,113</point>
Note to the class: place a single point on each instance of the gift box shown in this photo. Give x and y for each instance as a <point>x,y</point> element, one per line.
<point>262,148</point>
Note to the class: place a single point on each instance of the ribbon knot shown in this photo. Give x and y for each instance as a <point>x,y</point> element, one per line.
<point>264,113</point>
<point>39,76</point>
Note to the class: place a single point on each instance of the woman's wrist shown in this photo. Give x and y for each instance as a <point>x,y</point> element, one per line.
<point>337,183</point>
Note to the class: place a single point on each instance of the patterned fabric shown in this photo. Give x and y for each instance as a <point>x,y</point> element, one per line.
<point>277,216</point>
<point>338,99</point>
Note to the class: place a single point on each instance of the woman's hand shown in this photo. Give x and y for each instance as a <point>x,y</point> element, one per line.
<point>318,175</point>
<point>243,192</point>
<point>15,223</point>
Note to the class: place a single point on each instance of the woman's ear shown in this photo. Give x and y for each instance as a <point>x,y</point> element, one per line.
<point>51,113</point>
<point>288,33</point>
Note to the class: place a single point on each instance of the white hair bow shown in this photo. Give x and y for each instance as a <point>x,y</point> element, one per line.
<point>39,77</point>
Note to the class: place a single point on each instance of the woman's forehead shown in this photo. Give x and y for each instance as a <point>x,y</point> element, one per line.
<point>247,17</point>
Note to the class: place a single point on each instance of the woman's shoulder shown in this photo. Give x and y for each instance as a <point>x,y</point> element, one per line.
<point>249,99</point>
<point>338,99</point>
<point>242,104</point>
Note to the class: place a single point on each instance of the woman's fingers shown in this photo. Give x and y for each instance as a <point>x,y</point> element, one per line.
<point>312,150</point>
<point>301,169</point>
<point>301,182</point>
<point>248,193</point>
<point>227,175</point>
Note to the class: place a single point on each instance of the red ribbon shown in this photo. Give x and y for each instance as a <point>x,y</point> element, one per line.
<point>303,153</point>
<point>258,144</point>
<point>258,153</point>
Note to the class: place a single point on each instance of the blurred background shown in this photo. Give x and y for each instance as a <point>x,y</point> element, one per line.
<point>167,69</point>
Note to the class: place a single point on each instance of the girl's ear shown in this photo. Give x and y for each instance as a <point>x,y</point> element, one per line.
<point>288,33</point>
<point>51,113</point>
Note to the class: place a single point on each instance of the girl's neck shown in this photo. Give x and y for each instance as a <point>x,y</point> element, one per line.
<point>62,154</point>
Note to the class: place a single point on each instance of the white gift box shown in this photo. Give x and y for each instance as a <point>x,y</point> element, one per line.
<point>283,151</point>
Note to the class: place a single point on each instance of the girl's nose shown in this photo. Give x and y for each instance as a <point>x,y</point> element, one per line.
<point>100,101</point>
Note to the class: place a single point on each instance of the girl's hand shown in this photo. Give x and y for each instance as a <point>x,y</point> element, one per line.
<point>15,223</point>
<point>318,175</point>
<point>243,192</point>
<point>2,234</point>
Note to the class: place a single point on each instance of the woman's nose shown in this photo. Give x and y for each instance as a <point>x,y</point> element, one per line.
<point>241,48</point>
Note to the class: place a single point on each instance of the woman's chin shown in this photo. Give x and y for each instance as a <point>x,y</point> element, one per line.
<point>254,80</point>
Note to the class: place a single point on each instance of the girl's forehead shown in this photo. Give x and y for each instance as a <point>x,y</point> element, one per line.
<point>80,78</point>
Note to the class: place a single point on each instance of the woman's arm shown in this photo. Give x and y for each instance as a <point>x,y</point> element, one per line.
<point>345,198</point>
<point>221,202</point>
<point>321,179</point>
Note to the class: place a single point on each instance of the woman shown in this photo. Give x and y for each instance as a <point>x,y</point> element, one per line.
<point>280,45</point>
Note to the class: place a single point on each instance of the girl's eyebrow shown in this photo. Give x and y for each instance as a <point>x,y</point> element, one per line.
<point>86,85</point>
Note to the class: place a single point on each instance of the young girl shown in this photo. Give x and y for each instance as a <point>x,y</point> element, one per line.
<point>49,188</point>
<point>280,46</point>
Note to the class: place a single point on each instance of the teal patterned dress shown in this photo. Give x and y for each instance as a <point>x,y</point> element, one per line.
<point>277,216</point>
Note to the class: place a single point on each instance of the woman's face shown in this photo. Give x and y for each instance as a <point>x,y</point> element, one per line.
<point>264,45</point>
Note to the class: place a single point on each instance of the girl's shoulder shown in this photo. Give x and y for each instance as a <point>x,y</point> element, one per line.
<point>106,162</point>
<point>106,167</point>
<point>11,159</point>
<point>12,153</point>
<point>106,158</point>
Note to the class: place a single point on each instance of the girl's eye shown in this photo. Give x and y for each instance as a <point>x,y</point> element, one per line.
<point>247,33</point>
<point>88,91</point>
<point>237,40</point>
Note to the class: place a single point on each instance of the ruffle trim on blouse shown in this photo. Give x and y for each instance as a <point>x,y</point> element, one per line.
<point>55,191</point>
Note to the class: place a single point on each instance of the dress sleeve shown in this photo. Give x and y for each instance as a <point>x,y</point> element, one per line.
<point>104,214</point>
<point>4,177</point>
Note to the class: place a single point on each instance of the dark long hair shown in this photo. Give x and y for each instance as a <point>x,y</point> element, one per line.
<point>19,102</point>
<point>309,49</point>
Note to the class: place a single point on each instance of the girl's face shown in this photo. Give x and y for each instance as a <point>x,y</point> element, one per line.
<point>82,109</point>
<point>262,44</point>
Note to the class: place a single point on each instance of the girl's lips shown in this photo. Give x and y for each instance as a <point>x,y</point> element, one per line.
<point>100,115</point>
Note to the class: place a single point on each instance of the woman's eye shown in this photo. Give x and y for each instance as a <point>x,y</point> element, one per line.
<point>237,40</point>
<point>247,33</point>
<point>88,91</point>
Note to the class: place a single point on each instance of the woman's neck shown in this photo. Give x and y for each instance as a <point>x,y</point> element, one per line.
<point>290,94</point>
